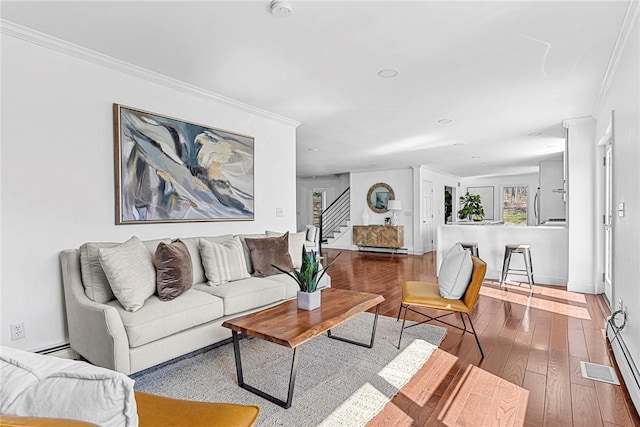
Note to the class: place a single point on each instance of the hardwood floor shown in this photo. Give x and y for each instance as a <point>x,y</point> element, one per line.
<point>533,346</point>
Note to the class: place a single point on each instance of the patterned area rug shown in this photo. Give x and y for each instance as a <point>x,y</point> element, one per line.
<point>337,383</point>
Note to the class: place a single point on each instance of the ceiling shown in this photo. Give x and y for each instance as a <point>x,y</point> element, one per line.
<point>505,73</point>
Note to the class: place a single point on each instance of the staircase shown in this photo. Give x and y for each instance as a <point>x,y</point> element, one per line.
<point>334,220</point>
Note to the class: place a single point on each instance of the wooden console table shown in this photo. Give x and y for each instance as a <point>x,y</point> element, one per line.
<point>378,236</point>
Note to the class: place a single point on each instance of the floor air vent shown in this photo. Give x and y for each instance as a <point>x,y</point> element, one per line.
<point>597,372</point>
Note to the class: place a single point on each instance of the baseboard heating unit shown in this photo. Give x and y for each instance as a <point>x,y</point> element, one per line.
<point>614,325</point>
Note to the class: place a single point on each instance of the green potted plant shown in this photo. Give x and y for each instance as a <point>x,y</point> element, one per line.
<point>307,277</point>
<point>471,207</point>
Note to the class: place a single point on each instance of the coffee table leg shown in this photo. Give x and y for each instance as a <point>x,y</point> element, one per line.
<point>270,398</point>
<point>236,352</point>
<point>373,333</point>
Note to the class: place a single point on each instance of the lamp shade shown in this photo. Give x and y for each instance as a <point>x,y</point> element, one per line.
<point>394,205</point>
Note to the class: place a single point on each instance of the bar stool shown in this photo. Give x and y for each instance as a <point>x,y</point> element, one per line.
<point>517,248</point>
<point>471,246</point>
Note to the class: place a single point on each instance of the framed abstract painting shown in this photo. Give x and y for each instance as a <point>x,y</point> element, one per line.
<point>171,170</point>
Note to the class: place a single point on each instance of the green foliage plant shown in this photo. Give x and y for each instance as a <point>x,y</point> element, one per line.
<point>472,207</point>
<point>309,273</point>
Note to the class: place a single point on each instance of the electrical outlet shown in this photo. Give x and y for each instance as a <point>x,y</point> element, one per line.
<point>17,331</point>
<point>279,211</point>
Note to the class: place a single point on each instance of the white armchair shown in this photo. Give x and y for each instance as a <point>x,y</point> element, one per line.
<point>312,238</point>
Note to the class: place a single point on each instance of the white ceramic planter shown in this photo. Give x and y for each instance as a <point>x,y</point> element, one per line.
<point>309,301</point>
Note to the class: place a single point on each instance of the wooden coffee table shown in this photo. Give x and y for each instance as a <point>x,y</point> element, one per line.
<point>286,325</point>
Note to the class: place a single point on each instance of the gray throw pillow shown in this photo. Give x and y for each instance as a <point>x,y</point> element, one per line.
<point>455,273</point>
<point>174,273</point>
<point>129,269</point>
<point>268,251</point>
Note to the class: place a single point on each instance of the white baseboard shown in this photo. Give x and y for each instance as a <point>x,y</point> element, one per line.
<point>64,353</point>
<point>625,370</point>
<point>581,288</point>
<point>544,280</point>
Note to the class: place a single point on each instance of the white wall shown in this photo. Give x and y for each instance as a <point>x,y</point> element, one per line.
<point>58,180</point>
<point>401,181</point>
<point>439,181</point>
<point>497,182</point>
<point>623,96</point>
<point>334,185</point>
<point>581,204</point>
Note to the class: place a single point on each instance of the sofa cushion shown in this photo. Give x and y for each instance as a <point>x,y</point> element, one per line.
<point>96,284</point>
<point>223,262</point>
<point>46,386</point>
<point>247,252</point>
<point>130,271</point>
<point>158,319</point>
<point>291,286</point>
<point>174,273</point>
<point>267,252</point>
<point>246,294</point>
<point>193,244</point>
<point>296,243</point>
<point>455,272</point>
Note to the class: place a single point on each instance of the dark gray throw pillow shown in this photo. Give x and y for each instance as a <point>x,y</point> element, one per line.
<point>174,272</point>
<point>267,251</point>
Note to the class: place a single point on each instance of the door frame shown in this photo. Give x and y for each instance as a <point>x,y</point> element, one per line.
<point>427,247</point>
<point>605,252</point>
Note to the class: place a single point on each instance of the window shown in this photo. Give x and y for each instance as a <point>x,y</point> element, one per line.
<point>514,205</point>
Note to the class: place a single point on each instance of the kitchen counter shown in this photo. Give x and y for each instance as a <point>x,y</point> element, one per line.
<point>549,248</point>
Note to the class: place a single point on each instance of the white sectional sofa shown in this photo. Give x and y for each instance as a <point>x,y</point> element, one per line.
<point>107,335</point>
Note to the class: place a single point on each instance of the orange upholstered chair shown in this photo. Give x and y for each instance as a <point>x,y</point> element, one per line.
<point>158,411</point>
<point>427,295</point>
<point>162,411</point>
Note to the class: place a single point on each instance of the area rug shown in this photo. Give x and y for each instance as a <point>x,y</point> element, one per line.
<point>338,384</point>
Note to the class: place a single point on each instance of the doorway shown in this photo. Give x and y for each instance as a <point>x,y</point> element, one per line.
<point>427,216</point>
<point>448,204</point>
<point>606,258</point>
<point>318,204</point>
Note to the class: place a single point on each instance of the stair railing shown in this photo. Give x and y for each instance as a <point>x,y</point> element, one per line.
<point>334,216</point>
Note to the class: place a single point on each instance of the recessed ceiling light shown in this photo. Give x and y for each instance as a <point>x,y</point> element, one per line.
<point>312,149</point>
<point>444,121</point>
<point>281,8</point>
<point>459,144</point>
<point>475,157</point>
<point>535,134</point>
<point>388,73</point>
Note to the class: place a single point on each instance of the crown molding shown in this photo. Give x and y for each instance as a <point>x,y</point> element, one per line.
<point>630,20</point>
<point>29,35</point>
<point>576,121</point>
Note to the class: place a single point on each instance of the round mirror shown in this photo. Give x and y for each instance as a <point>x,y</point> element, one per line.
<point>378,197</point>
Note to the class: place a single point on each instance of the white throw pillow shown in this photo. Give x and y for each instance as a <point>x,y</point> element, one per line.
<point>130,271</point>
<point>455,273</point>
<point>223,262</point>
<point>311,233</point>
<point>46,386</point>
<point>296,242</point>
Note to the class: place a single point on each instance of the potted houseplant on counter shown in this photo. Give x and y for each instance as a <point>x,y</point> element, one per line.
<point>307,277</point>
<point>471,207</point>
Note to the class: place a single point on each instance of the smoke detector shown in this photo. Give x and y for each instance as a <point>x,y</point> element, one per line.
<point>281,8</point>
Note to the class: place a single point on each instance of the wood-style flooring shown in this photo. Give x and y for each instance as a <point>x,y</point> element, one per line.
<point>530,375</point>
